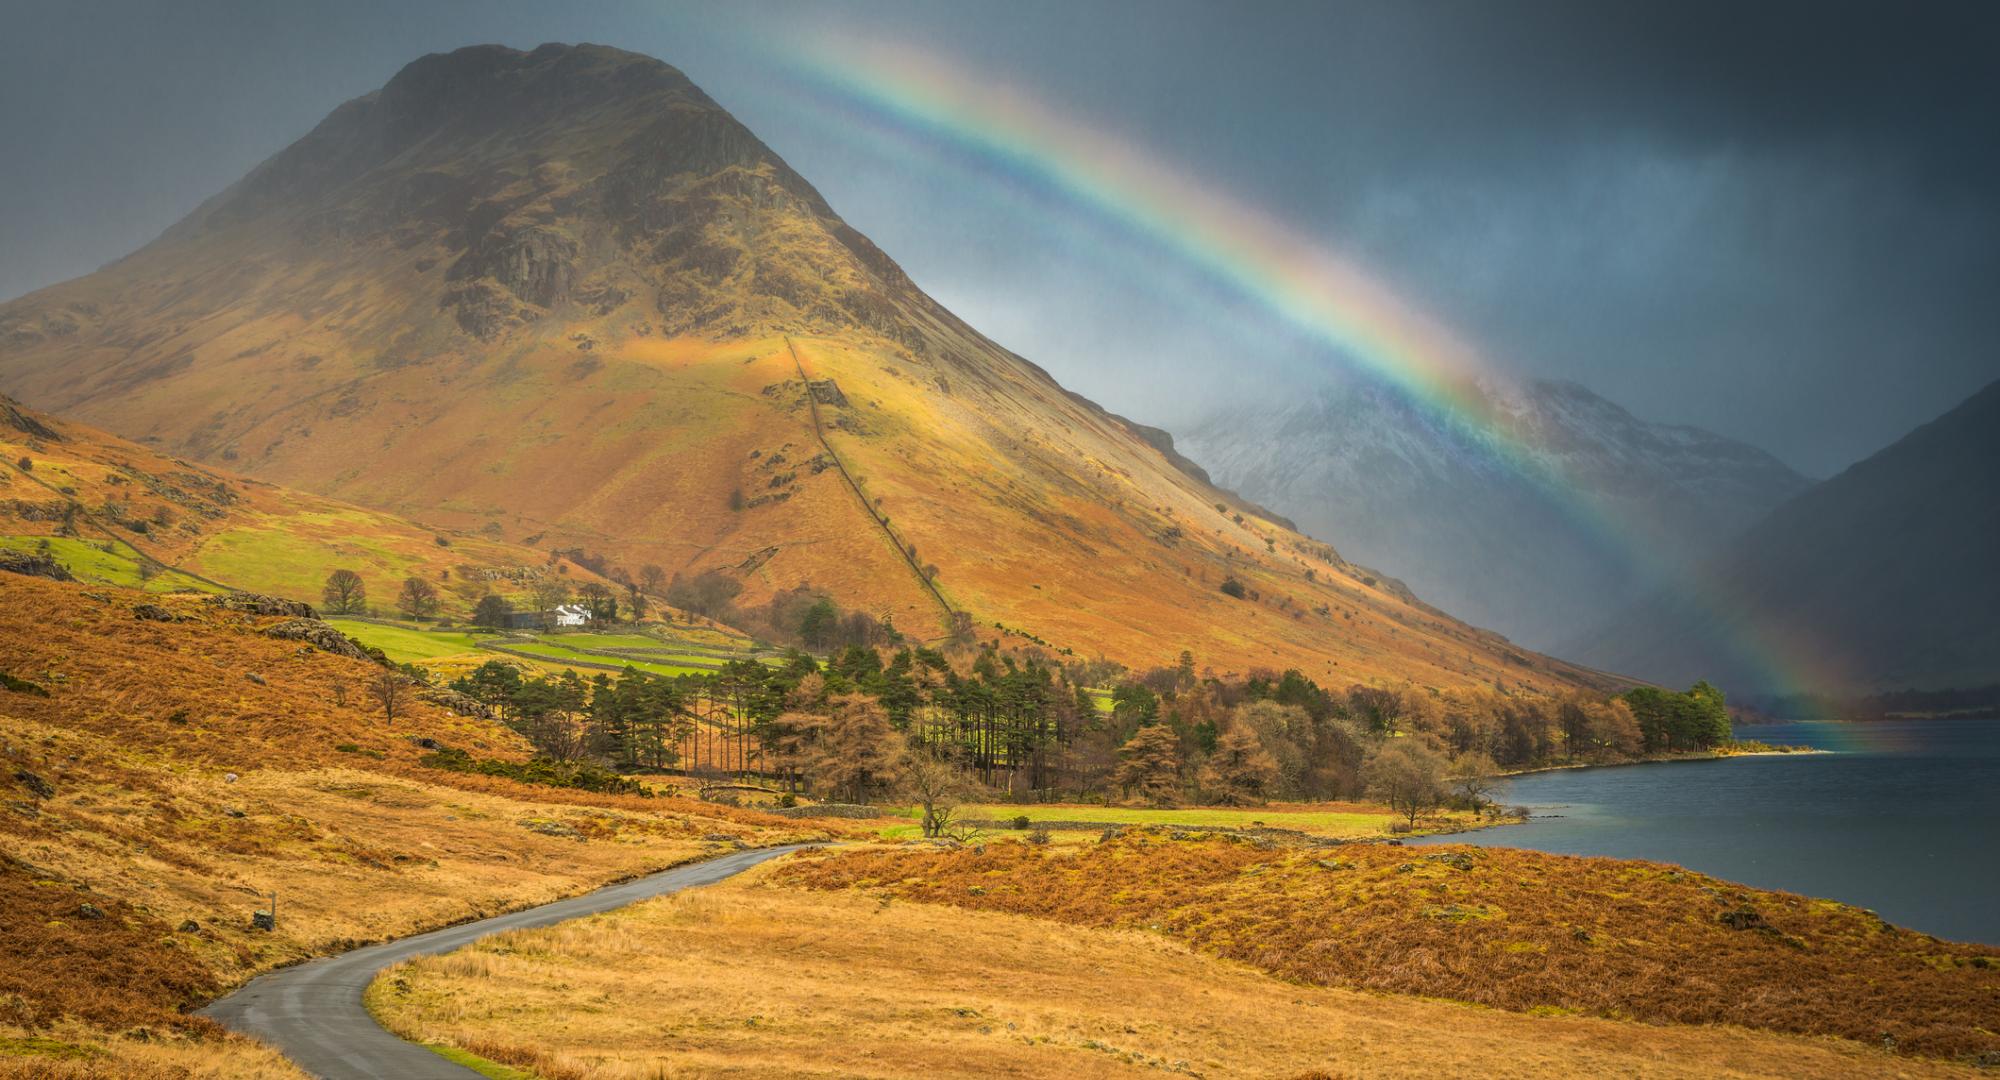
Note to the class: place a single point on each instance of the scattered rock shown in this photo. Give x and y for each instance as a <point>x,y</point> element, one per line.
<point>1581,934</point>
<point>553,828</point>
<point>156,613</point>
<point>235,813</point>
<point>1743,919</point>
<point>89,911</point>
<point>229,778</point>
<point>423,742</point>
<point>318,634</point>
<point>24,423</point>
<point>454,701</point>
<point>718,838</point>
<point>826,392</point>
<point>259,604</point>
<point>1457,860</point>
<point>263,920</point>
<point>34,566</point>
<point>255,678</point>
<point>189,926</point>
<point>37,786</point>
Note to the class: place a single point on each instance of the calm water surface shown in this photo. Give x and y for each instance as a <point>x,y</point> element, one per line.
<point>1904,818</point>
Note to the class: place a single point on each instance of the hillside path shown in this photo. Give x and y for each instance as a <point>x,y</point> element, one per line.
<point>313,1012</point>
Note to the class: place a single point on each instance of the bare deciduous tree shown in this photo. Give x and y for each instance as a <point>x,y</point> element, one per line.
<point>1472,780</point>
<point>391,690</point>
<point>936,787</point>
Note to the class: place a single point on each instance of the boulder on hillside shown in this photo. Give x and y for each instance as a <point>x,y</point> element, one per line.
<point>259,604</point>
<point>459,703</point>
<point>317,634</point>
<point>156,613</point>
<point>14,562</point>
<point>10,412</point>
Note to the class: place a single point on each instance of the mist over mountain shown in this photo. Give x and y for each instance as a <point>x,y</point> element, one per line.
<point>562,297</point>
<point>1465,516</point>
<point>1880,578</point>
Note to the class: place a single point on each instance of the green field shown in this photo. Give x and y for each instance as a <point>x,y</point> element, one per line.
<point>293,555</point>
<point>557,654</point>
<point>606,641</point>
<point>90,562</point>
<point>405,646</point>
<point>548,654</point>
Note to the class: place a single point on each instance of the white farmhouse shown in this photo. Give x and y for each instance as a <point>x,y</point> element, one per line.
<point>572,615</point>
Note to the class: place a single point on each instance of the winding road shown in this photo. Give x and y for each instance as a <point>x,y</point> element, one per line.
<point>313,1011</point>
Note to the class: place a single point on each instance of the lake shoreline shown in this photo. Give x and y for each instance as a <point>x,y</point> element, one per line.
<point>1663,759</point>
<point>1656,759</point>
<point>1890,816</point>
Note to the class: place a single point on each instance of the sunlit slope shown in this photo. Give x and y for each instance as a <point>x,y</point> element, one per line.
<point>547,297</point>
<point>117,512</point>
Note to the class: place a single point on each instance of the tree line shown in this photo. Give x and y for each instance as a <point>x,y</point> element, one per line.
<point>854,727</point>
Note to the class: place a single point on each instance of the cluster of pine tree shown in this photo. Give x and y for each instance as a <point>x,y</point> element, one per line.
<point>1026,727</point>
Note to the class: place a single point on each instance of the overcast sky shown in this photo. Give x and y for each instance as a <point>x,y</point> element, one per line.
<point>1779,223</point>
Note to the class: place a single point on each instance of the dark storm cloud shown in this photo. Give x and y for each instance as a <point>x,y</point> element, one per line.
<point>1776,220</point>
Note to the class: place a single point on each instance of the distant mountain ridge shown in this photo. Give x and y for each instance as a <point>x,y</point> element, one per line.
<point>1447,507</point>
<point>563,297</point>
<point>1882,578</point>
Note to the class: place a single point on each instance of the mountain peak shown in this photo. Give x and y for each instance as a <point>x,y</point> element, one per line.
<point>512,85</point>
<point>563,295</point>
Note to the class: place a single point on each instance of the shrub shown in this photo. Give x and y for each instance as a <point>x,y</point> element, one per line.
<point>21,686</point>
<point>1021,821</point>
<point>1234,588</point>
<point>1038,836</point>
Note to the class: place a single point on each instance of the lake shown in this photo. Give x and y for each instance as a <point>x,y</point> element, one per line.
<point>1902,817</point>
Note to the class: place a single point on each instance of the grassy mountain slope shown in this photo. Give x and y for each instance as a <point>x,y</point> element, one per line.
<point>120,513</point>
<point>1884,574</point>
<point>562,294</point>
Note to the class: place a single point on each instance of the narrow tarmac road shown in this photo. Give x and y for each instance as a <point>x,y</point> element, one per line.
<point>313,1011</point>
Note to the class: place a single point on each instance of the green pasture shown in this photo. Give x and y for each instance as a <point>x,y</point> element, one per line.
<point>88,560</point>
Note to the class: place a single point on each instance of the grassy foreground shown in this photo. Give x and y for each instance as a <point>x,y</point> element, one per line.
<point>1515,930</point>
<point>748,979</point>
<point>170,775</point>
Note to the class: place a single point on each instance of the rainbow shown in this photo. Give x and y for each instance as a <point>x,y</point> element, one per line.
<point>921,97</point>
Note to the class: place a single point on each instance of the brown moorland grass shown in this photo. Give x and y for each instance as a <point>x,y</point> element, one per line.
<point>72,1051</point>
<point>742,979</point>
<point>163,786</point>
<point>1514,930</point>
